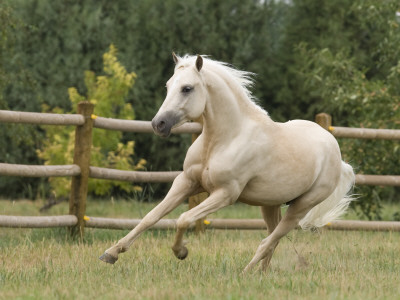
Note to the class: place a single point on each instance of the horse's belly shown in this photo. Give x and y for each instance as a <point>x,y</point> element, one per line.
<point>259,202</point>
<point>273,192</point>
<point>258,198</point>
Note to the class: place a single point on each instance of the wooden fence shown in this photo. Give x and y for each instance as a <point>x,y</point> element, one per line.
<point>325,121</point>
<point>81,171</point>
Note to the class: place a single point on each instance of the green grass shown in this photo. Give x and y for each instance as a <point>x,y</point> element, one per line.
<point>47,264</point>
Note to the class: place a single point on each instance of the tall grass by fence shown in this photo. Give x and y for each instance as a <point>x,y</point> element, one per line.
<point>81,171</point>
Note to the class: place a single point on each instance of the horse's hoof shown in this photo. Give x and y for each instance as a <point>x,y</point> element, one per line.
<point>182,254</point>
<point>108,258</point>
<point>248,269</point>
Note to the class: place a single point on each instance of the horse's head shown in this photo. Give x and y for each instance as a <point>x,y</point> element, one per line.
<point>186,97</point>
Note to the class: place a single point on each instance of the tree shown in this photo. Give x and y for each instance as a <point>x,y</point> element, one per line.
<point>361,91</point>
<point>17,142</point>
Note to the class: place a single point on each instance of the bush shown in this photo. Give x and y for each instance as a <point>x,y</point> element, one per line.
<point>108,92</point>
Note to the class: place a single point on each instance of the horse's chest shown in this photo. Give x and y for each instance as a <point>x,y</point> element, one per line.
<point>201,174</point>
<point>206,180</point>
<point>205,176</point>
<point>215,175</point>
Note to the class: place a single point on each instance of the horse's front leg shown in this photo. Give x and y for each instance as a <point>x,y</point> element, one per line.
<point>218,199</point>
<point>182,188</point>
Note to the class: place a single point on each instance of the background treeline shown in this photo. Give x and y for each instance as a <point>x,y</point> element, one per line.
<point>341,57</point>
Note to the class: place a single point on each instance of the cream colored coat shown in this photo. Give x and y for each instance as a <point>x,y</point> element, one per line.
<point>242,155</point>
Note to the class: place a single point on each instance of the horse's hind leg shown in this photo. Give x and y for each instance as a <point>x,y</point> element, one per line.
<point>272,216</point>
<point>296,211</point>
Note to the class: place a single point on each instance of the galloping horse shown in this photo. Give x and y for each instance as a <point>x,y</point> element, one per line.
<point>242,155</point>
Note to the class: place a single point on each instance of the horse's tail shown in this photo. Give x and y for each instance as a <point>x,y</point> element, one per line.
<point>335,205</point>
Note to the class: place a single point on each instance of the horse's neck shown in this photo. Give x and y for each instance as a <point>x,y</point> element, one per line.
<point>227,112</point>
<point>221,114</point>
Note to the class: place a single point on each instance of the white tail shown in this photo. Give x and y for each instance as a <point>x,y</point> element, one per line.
<point>335,205</point>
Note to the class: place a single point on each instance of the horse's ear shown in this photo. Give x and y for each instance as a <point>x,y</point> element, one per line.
<point>176,59</point>
<point>199,63</point>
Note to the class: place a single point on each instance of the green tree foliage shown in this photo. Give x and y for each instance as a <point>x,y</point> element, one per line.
<point>108,93</point>
<point>359,102</point>
<point>361,91</point>
<point>16,141</point>
<point>362,30</point>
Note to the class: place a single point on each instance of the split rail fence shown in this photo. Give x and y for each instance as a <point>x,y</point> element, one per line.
<point>81,171</point>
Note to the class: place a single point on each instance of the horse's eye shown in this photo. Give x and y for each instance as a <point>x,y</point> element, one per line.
<point>187,89</point>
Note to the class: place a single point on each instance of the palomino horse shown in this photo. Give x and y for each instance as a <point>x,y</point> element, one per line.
<point>242,155</point>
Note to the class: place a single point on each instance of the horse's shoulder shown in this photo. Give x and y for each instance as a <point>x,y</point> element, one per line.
<point>194,151</point>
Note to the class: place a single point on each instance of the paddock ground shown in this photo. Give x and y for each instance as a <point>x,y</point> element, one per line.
<point>47,264</point>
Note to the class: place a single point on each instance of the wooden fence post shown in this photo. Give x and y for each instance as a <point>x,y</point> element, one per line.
<point>79,184</point>
<point>197,199</point>
<point>324,120</point>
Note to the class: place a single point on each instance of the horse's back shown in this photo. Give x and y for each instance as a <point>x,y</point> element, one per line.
<point>305,126</point>
<point>310,134</point>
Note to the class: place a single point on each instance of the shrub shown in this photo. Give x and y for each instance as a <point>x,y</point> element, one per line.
<point>108,93</point>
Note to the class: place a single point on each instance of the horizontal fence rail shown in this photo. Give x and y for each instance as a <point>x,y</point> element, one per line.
<point>240,224</point>
<point>144,176</point>
<point>134,176</point>
<point>40,118</point>
<point>170,224</point>
<point>245,224</point>
<point>384,180</point>
<point>365,133</point>
<point>364,225</point>
<point>325,121</point>
<point>39,171</point>
<point>38,222</point>
<point>140,126</point>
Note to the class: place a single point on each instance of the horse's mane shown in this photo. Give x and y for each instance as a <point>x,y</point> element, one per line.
<point>243,79</point>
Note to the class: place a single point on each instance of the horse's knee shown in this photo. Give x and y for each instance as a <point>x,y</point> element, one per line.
<point>183,222</point>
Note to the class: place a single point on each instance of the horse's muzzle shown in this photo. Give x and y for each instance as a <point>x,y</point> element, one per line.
<point>162,124</point>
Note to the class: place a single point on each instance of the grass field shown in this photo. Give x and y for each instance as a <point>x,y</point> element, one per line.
<point>47,264</point>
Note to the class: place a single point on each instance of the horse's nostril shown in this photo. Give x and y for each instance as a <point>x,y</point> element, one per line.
<point>161,125</point>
